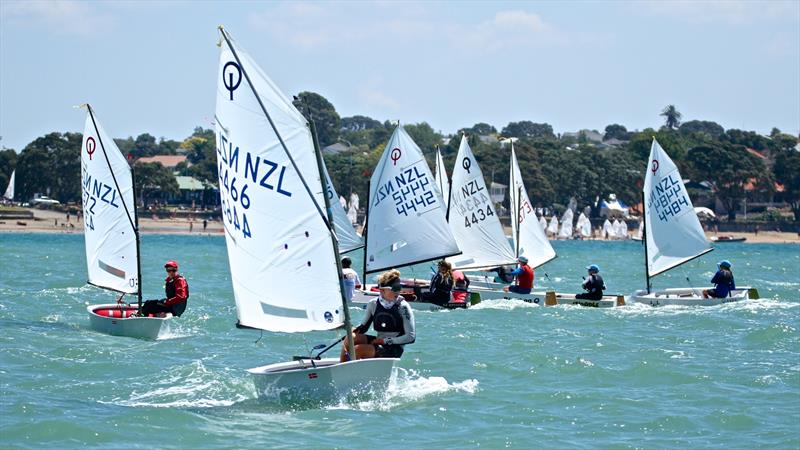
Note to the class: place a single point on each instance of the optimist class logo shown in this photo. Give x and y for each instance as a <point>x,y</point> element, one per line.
<point>91,145</point>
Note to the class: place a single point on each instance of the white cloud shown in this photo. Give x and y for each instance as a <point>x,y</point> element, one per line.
<point>507,29</point>
<point>66,17</point>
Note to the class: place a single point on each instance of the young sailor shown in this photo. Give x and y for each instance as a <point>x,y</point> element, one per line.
<point>723,281</point>
<point>392,318</point>
<point>524,275</point>
<point>350,278</point>
<point>441,285</point>
<point>177,291</point>
<point>594,285</point>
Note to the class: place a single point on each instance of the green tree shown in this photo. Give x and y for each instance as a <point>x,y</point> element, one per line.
<point>424,136</point>
<point>528,129</point>
<point>51,164</point>
<point>480,129</point>
<point>749,139</point>
<point>153,178</point>
<point>672,118</point>
<point>729,168</point>
<point>787,173</point>
<point>360,123</point>
<point>712,129</point>
<point>324,114</point>
<point>201,151</point>
<point>616,131</point>
<point>144,145</point>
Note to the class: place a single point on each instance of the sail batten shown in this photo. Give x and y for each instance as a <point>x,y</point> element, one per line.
<point>279,241</point>
<point>406,222</point>
<point>673,232</point>
<point>531,241</point>
<point>109,230</point>
<point>473,219</point>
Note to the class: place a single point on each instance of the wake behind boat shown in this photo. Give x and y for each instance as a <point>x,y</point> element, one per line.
<point>673,236</point>
<point>111,234</point>
<point>279,226</point>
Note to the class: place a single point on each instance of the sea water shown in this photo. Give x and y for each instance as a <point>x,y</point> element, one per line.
<point>502,374</point>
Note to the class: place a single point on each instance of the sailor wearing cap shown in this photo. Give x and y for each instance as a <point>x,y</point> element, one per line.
<point>524,274</point>
<point>723,281</point>
<point>593,284</point>
<point>391,317</point>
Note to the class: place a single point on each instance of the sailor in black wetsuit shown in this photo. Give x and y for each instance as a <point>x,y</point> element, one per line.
<point>594,285</point>
<point>391,317</point>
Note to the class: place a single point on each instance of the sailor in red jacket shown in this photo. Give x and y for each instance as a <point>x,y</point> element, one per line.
<point>524,274</point>
<point>177,291</point>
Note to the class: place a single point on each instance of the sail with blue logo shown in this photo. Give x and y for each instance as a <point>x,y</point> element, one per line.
<point>672,230</point>
<point>282,260</point>
<point>108,216</point>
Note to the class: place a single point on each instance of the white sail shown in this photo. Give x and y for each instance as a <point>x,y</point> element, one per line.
<point>553,227</point>
<point>473,219</point>
<point>352,214</point>
<point>280,250</point>
<point>608,229</point>
<point>108,216</point>
<point>623,230</point>
<point>584,226</point>
<point>354,201</point>
<point>566,225</point>
<point>529,239</point>
<point>543,223</point>
<point>406,221</point>
<point>9,194</point>
<point>440,177</point>
<point>345,233</point>
<point>672,230</point>
<point>639,233</point>
<point>342,201</point>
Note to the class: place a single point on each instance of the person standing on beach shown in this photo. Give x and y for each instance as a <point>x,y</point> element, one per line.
<point>205,224</point>
<point>723,281</point>
<point>177,291</point>
<point>350,280</point>
<point>524,274</point>
<point>594,285</point>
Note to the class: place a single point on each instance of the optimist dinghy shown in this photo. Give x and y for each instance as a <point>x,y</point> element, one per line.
<point>673,236</point>
<point>279,226</point>
<point>111,234</point>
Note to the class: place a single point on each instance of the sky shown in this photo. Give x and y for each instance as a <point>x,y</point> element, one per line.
<point>150,66</point>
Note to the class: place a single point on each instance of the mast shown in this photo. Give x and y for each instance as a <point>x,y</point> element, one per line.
<point>449,198</point>
<point>348,325</point>
<point>644,240</point>
<point>518,215</point>
<point>135,222</point>
<point>365,230</point>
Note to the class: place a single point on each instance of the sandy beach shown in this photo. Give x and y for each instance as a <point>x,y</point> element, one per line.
<point>45,221</point>
<point>56,222</point>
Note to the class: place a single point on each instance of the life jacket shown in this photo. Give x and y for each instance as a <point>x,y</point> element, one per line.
<point>525,279</point>
<point>169,286</point>
<point>596,283</point>
<point>460,289</point>
<point>388,320</point>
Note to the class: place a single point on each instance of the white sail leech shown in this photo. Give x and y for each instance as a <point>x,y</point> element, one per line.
<point>472,217</point>
<point>406,215</point>
<point>109,235</point>
<point>274,229</point>
<point>345,233</point>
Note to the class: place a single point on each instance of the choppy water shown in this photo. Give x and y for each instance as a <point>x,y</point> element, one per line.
<point>506,374</point>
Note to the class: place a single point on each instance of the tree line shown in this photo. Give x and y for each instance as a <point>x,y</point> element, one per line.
<point>555,167</point>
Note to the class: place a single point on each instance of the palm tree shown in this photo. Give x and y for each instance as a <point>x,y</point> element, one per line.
<point>673,117</point>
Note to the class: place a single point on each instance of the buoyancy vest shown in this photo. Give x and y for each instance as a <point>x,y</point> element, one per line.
<point>595,284</point>
<point>169,286</point>
<point>525,279</point>
<point>388,320</point>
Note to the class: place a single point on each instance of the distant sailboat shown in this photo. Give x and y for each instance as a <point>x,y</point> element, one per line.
<point>608,230</point>
<point>278,227</point>
<point>348,239</point>
<point>584,226</point>
<point>565,232</point>
<point>673,235</point>
<point>440,177</point>
<point>111,235</point>
<point>9,194</point>
<point>543,223</point>
<point>552,229</point>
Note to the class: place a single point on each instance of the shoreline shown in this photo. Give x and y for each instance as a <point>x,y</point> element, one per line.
<point>45,221</point>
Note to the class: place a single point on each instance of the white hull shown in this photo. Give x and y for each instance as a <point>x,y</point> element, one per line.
<point>324,381</point>
<point>689,297</point>
<point>488,289</point>
<point>135,327</point>
<point>363,296</point>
